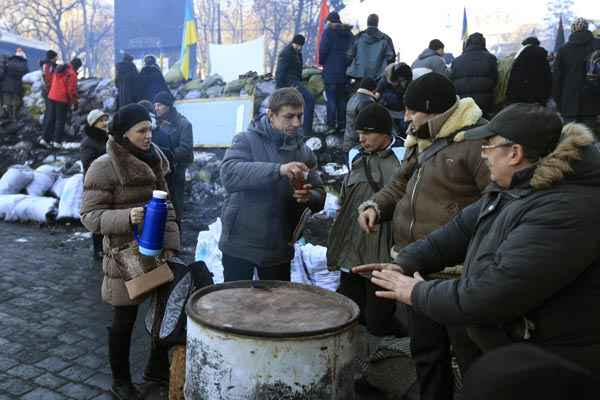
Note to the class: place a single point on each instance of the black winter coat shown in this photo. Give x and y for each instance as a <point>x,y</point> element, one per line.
<point>152,82</point>
<point>531,253</point>
<point>289,67</point>
<point>15,68</point>
<point>181,136</point>
<point>93,145</point>
<point>333,52</point>
<point>569,73</point>
<point>530,77</point>
<point>475,73</point>
<point>127,82</point>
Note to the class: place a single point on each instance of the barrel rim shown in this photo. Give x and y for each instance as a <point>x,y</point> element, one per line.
<point>343,300</point>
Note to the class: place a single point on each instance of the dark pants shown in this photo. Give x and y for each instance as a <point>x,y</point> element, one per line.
<point>46,112</point>
<point>97,243</point>
<point>176,182</point>
<point>54,130</point>
<point>237,269</point>
<point>376,314</point>
<point>430,347</point>
<point>309,109</point>
<point>336,105</point>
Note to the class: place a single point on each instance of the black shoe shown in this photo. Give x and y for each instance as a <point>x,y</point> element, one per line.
<point>125,390</point>
<point>157,369</point>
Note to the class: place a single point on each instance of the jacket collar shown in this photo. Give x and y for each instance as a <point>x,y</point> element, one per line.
<point>283,141</point>
<point>132,171</point>
<point>96,134</point>
<point>366,92</point>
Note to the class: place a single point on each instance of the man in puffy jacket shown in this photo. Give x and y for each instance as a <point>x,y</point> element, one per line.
<point>475,73</point>
<point>271,181</point>
<point>289,74</point>
<point>431,58</point>
<point>530,79</point>
<point>364,96</point>
<point>127,81</point>
<point>371,52</point>
<point>530,245</point>
<point>62,96</point>
<point>151,80</point>
<point>11,87</point>
<point>337,39</point>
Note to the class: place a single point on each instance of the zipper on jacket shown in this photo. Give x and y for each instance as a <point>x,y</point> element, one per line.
<point>413,205</point>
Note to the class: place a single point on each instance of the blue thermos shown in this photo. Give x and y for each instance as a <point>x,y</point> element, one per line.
<point>153,232</point>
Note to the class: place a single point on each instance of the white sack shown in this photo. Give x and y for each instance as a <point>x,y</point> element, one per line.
<point>43,179</point>
<point>8,203</point>
<point>33,208</point>
<point>70,199</point>
<point>15,179</point>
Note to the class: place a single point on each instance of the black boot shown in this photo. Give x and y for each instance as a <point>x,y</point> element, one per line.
<point>118,355</point>
<point>157,369</point>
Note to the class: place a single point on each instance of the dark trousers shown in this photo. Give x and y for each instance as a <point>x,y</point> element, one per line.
<point>309,109</point>
<point>430,347</point>
<point>336,105</point>
<point>54,130</point>
<point>97,242</point>
<point>46,112</point>
<point>237,269</point>
<point>176,182</point>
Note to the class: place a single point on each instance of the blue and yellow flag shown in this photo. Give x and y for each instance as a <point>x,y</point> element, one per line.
<point>465,28</point>
<point>188,42</point>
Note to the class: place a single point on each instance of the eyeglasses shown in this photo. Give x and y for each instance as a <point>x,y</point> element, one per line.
<point>495,146</point>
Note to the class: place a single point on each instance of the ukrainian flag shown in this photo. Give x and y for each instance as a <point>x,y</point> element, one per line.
<point>465,27</point>
<point>188,42</point>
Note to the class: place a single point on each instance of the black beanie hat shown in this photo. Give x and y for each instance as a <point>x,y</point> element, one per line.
<point>373,20</point>
<point>50,54</point>
<point>125,118</point>
<point>374,118</point>
<point>531,40</point>
<point>76,63</point>
<point>432,93</point>
<point>334,17</point>
<point>368,83</point>
<point>164,98</point>
<point>299,40</point>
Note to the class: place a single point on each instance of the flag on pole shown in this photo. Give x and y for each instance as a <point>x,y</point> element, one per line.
<point>189,40</point>
<point>560,35</point>
<point>323,13</point>
<point>465,27</point>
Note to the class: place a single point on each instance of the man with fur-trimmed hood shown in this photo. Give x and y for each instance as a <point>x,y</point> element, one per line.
<point>530,246</point>
<point>440,175</point>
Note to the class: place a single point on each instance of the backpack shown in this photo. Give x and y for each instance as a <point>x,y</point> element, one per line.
<point>592,73</point>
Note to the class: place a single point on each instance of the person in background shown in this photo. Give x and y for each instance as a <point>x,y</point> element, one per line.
<point>440,175</point>
<point>364,96</point>
<point>11,87</point>
<point>117,186</point>
<point>151,80</point>
<point>126,81</point>
<point>289,74</point>
<point>432,58</point>
<point>62,96</point>
<point>181,139</point>
<point>271,181</point>
<point>530,79</point>
<point>93,145</point>
<point>371,52</point>
<point>390,94</point>
<point>48,65</point>
<point>335,42</point>
<point>475,73</point>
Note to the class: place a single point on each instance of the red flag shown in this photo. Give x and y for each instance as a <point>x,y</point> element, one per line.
<point>322,17</point>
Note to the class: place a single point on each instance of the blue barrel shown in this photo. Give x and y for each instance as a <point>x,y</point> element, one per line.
<point>153,233</point>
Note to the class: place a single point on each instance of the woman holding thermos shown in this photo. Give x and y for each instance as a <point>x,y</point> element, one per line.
<point>117,186</point>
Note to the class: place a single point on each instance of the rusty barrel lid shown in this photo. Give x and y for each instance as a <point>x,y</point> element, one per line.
<point>271,309</point>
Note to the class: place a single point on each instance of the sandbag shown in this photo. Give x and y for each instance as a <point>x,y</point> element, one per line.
<point>15,179</point>
<point>70,199</point>
<point>58,186</point>
<point>174,75</point>
<point>43,179</point>
<point>316,85</point>
<point>207,250</point>
<point>309,72</point>
<point>8,203</point>
<point>233,88</point>
<point>33,208</point>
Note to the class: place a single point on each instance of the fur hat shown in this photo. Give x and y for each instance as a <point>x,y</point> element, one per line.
<point>164,98</point>
<point>374,118</point>
<point>126,118</point>
<point>432,93</point>
<point>94,116</point>
<point>299,40</point>
<point>579,25</point>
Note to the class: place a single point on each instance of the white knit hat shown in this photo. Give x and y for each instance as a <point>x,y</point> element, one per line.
<point>94,116</point>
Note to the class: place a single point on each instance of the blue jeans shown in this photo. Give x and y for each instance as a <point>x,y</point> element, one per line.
<point>336,105</point>
<point>309,109</point>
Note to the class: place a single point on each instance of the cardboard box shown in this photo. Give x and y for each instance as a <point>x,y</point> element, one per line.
<point>148,281</point>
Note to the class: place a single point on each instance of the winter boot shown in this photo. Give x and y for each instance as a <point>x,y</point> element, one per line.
<point>118,355</point>
<point>157,368</point>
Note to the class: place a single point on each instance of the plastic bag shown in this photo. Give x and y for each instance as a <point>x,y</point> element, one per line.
<point>58,186</point>
<point>310,266</point>
<point>33,208</point>
<point>332,205</point>
<point>8,203</point>
<point>207,250</point>
<point>43,179</point>
<point>15,179</point>
<point>70,199</point>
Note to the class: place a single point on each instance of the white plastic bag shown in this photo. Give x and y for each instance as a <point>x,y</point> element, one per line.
<point>8,203</point>
<point>332,205</point>
<point>33,208</point>
<point>43,179</point>
<point>70,199</point>
<point>58,186</point>
<point>310,266</point>
<point>207,250</point>
<point>15,179</point>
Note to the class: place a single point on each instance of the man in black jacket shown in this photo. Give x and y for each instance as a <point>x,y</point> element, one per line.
<point>289,74</point>
<point>181,134</point>
<point>530,246</point>
<point>151,80</point>
<point>530,78</point>
<point>11,86</point>
<point>127,81</point>
<point>475,73</point>
<point>574,102</point>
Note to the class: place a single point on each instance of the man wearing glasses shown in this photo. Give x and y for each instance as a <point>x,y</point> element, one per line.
<point>530,246</point>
